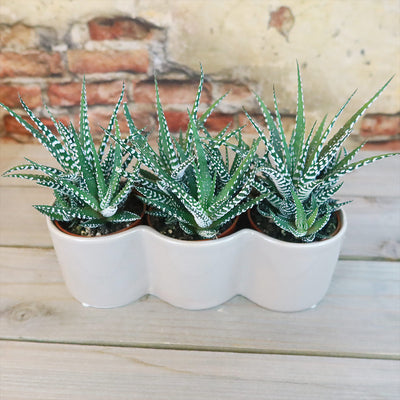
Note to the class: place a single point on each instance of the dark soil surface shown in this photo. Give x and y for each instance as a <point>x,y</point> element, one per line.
<point>174,230</point>
<point>132,204</point>
<point>267,226</point>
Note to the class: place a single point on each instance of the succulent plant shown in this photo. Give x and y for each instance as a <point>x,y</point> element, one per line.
<point>299,178</point>
<point>91,186</point>
<point>192,183</point>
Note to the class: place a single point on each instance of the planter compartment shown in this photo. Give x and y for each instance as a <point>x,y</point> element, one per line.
<point>104,272</point>
<point>118,269</point>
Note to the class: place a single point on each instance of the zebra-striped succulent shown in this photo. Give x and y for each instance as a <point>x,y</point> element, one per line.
<point>300,178</point>
<point>92,185</point>
<point>193,184</point>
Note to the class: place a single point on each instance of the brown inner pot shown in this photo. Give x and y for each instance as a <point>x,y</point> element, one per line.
<point>132,225</point>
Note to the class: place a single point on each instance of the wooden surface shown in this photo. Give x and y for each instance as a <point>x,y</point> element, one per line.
<point>347,348</point>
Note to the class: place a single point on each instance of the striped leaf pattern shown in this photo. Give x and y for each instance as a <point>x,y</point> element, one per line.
<point>89,189</point>
<point>300,178</point>
<point>192,182</point>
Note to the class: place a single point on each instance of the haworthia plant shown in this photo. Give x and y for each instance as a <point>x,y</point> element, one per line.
<point>192,183</point>
<point>299,178</point>
<point>91,185</point>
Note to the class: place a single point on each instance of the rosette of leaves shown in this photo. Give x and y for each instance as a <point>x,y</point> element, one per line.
<point>299,178</point>
<point>91,185</point>
<point>192,182</point>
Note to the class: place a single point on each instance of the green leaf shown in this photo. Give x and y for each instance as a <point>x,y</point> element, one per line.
<point>300,122</point>
<point>238,210</point>
<point>86,138</point>
<point>337,140</point>
<point>166,146</point>
<point>232,185</point>
<point>84,167</point>
<point>106,137</point>
<point>116,173</point>
<point>286,225</point>
<point>66,214</point>
<point>319,224</point>
<point>203,178</point>
<point>300,216</point>
<point>276,135</point>
<point>46,137</point>
<point>123,216</point>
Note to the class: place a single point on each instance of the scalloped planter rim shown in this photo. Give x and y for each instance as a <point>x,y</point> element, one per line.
<point>117,269</point>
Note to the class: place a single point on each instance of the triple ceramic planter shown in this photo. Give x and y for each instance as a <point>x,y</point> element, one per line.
<point>117,269</point>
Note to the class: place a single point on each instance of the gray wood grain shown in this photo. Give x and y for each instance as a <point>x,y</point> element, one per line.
<point>36,371</point>
<point>359,316</point>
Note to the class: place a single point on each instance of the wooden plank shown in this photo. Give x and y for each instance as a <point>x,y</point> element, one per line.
<point>379,179</point>
<point>21,224</point>
<point>12,154</point>
<point>52,371</point>
<point>373,228</point>
<point>374,223</point>
<point>358,317</point>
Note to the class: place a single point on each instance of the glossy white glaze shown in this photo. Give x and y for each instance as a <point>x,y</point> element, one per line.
<point>115,270</point>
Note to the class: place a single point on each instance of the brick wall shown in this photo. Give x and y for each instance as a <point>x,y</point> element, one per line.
<point>44,68</point>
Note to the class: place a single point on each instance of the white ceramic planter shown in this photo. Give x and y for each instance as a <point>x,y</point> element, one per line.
<point>117,269</point>
<point>291,277</point>
<point>104,272</point>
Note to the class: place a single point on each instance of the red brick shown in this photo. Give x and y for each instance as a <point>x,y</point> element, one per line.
<point>144,120</point>
<point>11,125</point>
<point>34,63</point>
<point>237,93</point>
<point>9,95</point>
<point>177,120</point>
<point>390,145</point>
<point>171,92</point>
<point>282,19</point>
<point>216,122</point>
<point>248,127</point>
<point>99,119</point>
<point>69,94</point>
<point>380,125</point>
<point>118,28</point>
<point>288,123</point>
<point>17,36</point>
<point>82,61</point>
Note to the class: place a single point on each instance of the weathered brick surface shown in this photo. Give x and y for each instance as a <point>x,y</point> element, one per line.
<point>83,61</point>
<point>143,119</point>
<point>248,127</point>
<point>171,92</point>
<point>237,93</point>
<point>218,121</point>
<point>288,122</point>
<point>177,120</point>
<point>384,146</point>
<point>34,63</point>
<point>118,28</point>
<point>17,37</point>
<point>99,118</point>
<point>380,125</point>
<point>14,127</point>
<point>69,94</point>
<point>31,95</point>
<point>38,60</point>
